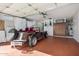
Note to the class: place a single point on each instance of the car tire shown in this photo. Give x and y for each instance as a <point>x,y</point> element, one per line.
<point>32,41</point>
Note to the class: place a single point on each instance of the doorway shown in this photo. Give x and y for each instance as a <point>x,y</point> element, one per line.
<point>59,29</point>
<point>2,27</point>
<point>63,27</point>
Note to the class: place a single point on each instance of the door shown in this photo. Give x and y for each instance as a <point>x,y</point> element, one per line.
<point>2,25</point>
<point>59,29</point>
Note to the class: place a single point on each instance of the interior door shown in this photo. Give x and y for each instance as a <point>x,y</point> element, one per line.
<point>2,25</point>
<point>59,28</point>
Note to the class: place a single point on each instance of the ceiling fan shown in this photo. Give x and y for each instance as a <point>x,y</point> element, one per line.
<point>44,14</point>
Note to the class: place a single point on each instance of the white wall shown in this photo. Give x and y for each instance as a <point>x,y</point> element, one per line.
<point>11,22</point>
<point>19,23</point>
<point>8,25</point>
<point>48,28</point>
<point>76,27</point>
<point>31,23</point>
<point>2,36</point>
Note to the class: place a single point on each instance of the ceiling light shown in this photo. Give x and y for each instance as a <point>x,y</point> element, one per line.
<point>29,5</point>
<point>55,4</point>
<point>7,6</point>
<point>17,10</point>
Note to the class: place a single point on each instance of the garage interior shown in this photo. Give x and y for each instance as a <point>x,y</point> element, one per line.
<point>53,26</point>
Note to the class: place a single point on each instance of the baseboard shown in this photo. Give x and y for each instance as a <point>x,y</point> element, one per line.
<point>63,36</point>
<point>76,39</point>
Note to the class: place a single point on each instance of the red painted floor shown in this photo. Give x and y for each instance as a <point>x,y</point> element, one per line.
<point>57,46</point>
<point>54,46</point>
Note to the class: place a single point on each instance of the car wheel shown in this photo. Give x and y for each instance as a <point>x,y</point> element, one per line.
<point>32,41</point>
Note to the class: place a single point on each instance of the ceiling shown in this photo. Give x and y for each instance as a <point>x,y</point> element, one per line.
<point>55,10</point>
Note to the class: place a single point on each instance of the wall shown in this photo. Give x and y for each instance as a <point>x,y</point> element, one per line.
<point>76,27</point>
<point>48,28</point>
<point>11,22</point>
<point>8,25</point>
<point>19,23</point>
<point>2,36</point>
<point>31,23</point>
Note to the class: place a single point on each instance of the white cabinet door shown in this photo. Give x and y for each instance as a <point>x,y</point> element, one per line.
<point>2,36</point>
